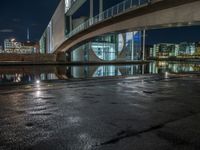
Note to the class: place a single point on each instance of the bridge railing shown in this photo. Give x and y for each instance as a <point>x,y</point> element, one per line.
<point>109,13</point>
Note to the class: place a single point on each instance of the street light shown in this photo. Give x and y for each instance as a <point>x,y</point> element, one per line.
<point>37,81</point>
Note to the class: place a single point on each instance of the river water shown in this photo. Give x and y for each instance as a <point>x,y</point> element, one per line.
<point>30,74</point>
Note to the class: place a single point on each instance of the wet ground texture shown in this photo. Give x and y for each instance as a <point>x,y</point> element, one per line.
<point>136,113</point>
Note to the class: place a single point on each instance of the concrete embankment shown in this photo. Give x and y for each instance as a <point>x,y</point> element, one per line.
<point>176,59</point>
<point>51,59</point>
<point>27,58</point>
<point>24,63</point>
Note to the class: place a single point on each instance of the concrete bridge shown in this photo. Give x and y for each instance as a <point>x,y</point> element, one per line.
<point>149,15</point>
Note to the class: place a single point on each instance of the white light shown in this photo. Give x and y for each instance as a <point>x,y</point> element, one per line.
<point>12,40</point>
<point>38,81</point>
<point>166,74</point>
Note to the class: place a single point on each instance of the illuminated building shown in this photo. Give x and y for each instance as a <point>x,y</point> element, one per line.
<point>167,50</point>
<point>11,46</point>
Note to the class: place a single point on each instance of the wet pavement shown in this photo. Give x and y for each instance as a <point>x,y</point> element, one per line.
<point>141,112</point>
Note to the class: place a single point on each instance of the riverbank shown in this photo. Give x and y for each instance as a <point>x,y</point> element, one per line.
<point>24,63</point>
<point>176,59</point>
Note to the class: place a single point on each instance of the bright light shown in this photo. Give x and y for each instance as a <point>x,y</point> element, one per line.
<point>12,40</point>
<point>37,84</point>
<point>38,81</point>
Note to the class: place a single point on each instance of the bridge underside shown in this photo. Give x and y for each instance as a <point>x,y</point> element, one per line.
<point>161,14</point>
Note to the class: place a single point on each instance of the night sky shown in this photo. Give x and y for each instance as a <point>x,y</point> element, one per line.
<point>18,15</point>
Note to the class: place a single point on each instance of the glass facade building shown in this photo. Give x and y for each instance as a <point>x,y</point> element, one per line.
<point>120,46</point>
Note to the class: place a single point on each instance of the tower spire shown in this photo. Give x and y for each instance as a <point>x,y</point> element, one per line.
<point>28,35</point>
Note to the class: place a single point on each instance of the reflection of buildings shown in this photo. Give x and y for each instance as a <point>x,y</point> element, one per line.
<point>26,74</point>
<point>162,67</point>
<point>33,74</point>
<point>11,46</point>
<point>104,71</point>
<point>15,78</point>
<point>128,70</point>
<point>25,78</point>
<point>181,50</point>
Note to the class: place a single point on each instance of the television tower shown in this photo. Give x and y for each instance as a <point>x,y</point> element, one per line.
<point>28,35</point>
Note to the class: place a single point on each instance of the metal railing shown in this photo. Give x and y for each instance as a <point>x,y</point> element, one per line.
<point>109,13</point>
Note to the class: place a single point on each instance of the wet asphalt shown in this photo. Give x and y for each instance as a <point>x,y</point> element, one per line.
<point>135,113</point>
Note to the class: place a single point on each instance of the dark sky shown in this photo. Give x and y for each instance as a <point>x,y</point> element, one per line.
<point>174,35</point>
<point>17,15</point>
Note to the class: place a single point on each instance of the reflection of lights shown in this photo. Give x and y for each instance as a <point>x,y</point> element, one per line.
<point>166,74</point>
<point>17,78</point>
<point>38,93</point>
<point>104,71</point>
<point>162,63</point>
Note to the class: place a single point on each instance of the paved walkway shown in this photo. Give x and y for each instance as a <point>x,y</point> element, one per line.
<point>138,113</point>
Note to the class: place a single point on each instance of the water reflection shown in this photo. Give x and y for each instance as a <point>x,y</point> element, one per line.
<point>40,73</point>
<point>26,74</point>
<point>173,67</point>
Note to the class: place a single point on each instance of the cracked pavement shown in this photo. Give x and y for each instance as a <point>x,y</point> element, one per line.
<point>147,112</point>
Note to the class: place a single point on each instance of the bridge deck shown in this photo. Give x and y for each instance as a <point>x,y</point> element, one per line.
<point>156,5</point>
